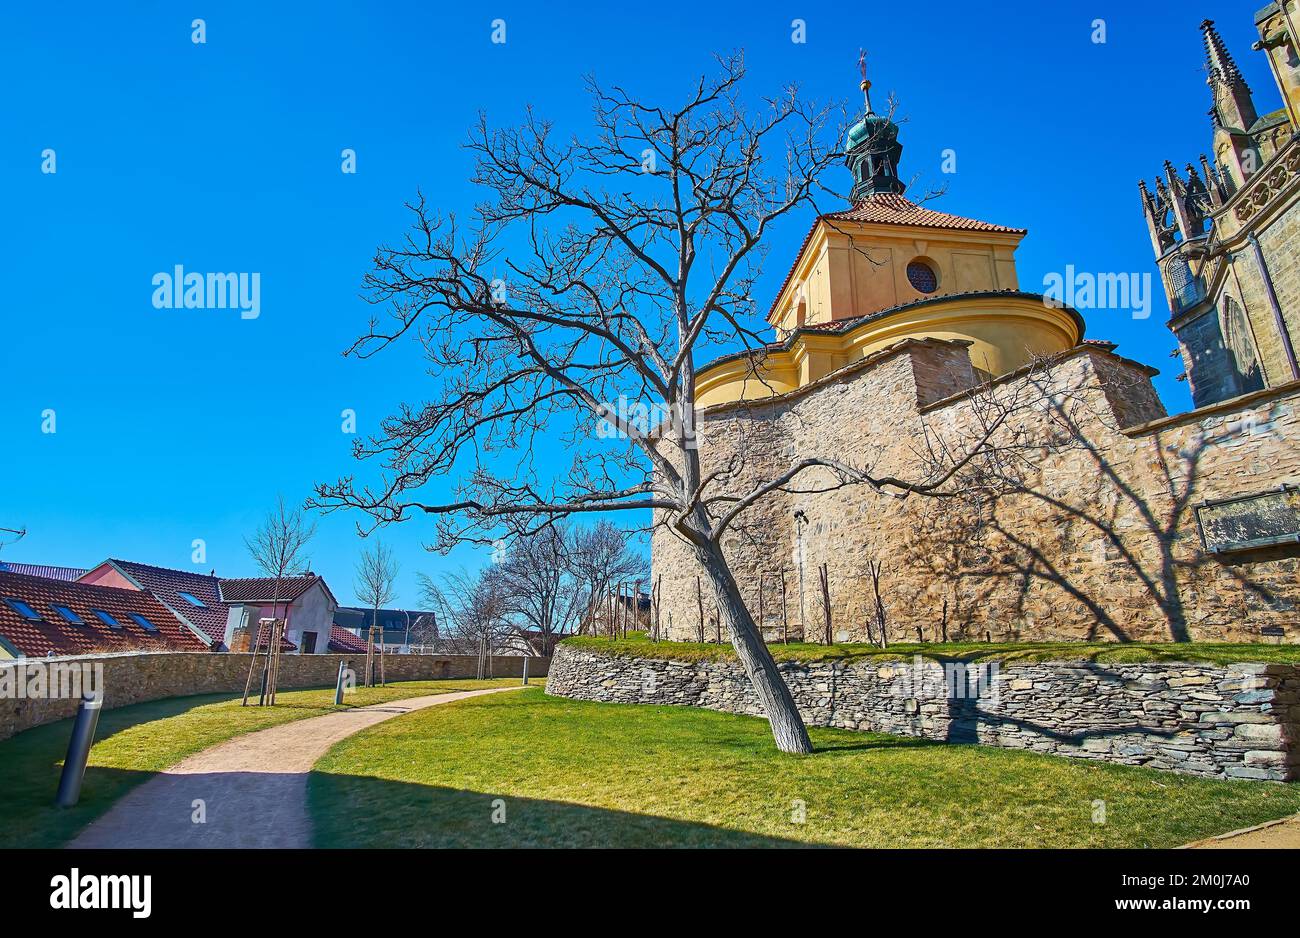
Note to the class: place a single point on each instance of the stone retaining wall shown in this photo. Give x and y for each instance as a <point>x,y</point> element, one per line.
<point>1235,721</point>
<point>135,678</point>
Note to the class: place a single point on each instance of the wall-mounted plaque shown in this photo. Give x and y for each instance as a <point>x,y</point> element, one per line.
<point>1248,522</point>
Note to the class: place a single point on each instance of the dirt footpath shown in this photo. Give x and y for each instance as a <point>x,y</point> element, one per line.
<point>251,790</point>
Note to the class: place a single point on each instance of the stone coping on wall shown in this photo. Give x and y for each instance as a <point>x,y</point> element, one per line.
<point>1217,721</point>
<point>1248,401</point>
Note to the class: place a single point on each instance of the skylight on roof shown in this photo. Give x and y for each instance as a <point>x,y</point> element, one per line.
<point>68,614</point>
<point>142,622</point>
<point>192,599</point>
<point>24,610</point>
<point>105,618</point>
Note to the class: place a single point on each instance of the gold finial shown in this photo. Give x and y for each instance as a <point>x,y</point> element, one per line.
<point>865,85</point>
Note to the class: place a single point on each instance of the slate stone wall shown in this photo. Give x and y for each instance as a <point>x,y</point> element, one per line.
<point>1238,721</point>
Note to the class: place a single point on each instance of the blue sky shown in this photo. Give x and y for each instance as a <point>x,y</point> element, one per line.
<point>174,425</point>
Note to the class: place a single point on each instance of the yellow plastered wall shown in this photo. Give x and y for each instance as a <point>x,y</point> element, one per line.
<point>1004,333</point>
<point>849,270</point>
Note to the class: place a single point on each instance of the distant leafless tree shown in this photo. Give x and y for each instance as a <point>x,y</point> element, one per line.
<point>377,571</point>
<point>595,273</point>
<point>543,599</point>
<point>599,558</point>
<point>278,547</point>
<point>472,609</point>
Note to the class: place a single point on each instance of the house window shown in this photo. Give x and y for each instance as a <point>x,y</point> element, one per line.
<point>309,643</point>
<point>142,622</point>
<point>192,600</point>
<point>922,276</point>
<point>105,618</point>
<point>24,610</point>
<point>68,614</point>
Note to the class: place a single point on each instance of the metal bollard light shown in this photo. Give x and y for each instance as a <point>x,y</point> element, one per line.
<point>74,763</point>
<point>338,684</point>
<point>525,669</point>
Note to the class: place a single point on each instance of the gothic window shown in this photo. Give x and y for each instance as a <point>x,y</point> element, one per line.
<point>1240,346</point>
<point>1184,286</point>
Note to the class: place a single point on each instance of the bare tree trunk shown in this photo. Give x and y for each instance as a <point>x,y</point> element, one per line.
<point>876,567</point>
<point>773,694</point>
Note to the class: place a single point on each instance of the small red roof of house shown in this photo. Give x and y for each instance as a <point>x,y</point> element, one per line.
<point>55,634</point>
<point>344,642</point>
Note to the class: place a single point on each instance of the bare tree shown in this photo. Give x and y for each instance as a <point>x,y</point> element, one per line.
<point>377,571</point>
<point>278,547</point>
<point>594,274</point>
<point>474,610</point>
<point>598,559</point>
<point>542,597</point>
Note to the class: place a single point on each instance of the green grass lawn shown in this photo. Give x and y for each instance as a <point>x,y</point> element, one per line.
<point>1009,652</point>
<point>573,773</point>
<point>135,742</point>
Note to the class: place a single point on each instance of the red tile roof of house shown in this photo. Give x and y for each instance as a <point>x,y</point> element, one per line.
<point>887,208</point>
<point>55,635</point>
<point>37,569</point>
<point>263,589</point>
<point>166,585</point>
<point>344,642</point>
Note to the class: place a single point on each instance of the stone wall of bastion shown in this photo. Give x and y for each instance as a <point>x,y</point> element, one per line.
<point>1233,721</point>
<point>1102,544</point>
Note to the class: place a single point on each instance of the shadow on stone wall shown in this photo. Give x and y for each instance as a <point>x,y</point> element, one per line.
<point>1128,553</point>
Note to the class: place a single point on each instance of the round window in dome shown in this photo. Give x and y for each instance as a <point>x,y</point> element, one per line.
<point>922,276</point>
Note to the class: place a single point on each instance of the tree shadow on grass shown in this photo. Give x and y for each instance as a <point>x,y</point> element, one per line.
<point>882,743</point>
<point>351,811</point>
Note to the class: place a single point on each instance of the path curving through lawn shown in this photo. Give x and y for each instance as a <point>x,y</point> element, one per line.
<point>248,792</point>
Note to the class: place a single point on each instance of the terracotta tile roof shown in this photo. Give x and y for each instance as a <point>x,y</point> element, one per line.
<point>54,634</point>
<point>37,569</point>
<point>344,642</point>
<point>886,208</point>
<point>167,585</point>
<point>263,589</point>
